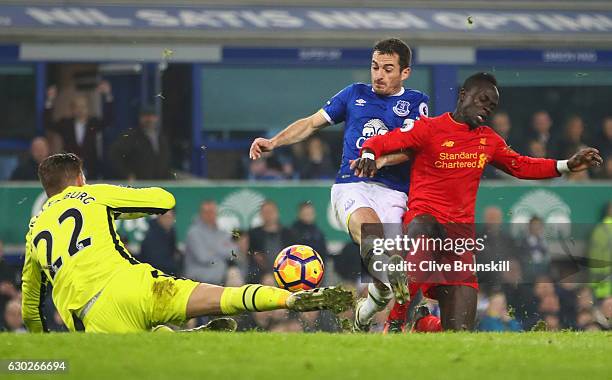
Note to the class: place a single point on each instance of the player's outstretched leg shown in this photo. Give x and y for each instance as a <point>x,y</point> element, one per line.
<point>424,225</point>
<point>209,299</point>
<point>381,290</point>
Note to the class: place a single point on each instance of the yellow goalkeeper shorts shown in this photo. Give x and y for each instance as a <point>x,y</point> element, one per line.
<point>138,298</point>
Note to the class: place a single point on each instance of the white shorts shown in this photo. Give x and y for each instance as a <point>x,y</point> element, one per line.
<point>389,205</point>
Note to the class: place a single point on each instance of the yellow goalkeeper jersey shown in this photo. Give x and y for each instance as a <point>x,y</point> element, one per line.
<point>73,244</point>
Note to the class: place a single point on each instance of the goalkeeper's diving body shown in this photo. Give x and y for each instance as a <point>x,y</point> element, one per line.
<point>98,286</point>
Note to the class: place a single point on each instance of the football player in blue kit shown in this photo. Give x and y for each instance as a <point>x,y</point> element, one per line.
<point>367,110</point>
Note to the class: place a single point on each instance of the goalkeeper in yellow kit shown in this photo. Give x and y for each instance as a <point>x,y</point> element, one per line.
<point>98,286</point>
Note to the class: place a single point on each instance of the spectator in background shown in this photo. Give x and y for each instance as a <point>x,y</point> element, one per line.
<point>549,306</point>
<point>240,257</point>
<point>541,129</point>
<point>500,122</point>
<point>158,248</point>
<point>603,142</point>
<point>305,231</point>
<point>271,167</point>
<point>298,155</point>
<point>573,137</point>
<point>496,316</point>
<point>499,246</point>
<point>143,152</point>
<point>519,294</point>
<point>555,303</point>
<point>27,170</point>
<point>10,277</point>
<point>604,313</point>
<point>536,149</point>
<point>600,255</point>
<point>318,164</point>
<point>585,306</point>
<point>502,125</point>
<point>266,241</point>
<point>81,133</point>
<point>208,250</point>
<point>12,316</point>
<point>607,171</point>
<point>536,260</point>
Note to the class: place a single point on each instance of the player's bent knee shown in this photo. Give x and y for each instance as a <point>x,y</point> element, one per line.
<point>358,218</point>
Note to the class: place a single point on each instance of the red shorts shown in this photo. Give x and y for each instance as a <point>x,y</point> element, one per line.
<point>430,267</point>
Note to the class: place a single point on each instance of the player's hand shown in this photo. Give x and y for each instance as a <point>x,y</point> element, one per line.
<point>259,146</point>
<point>584,159</point>
<point>364,167</point>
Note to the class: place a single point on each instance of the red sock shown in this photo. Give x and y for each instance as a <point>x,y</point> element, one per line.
<point>398,313</point>
<point>429,323</point>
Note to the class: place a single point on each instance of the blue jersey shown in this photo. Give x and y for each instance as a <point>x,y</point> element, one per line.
<point>366,114</point>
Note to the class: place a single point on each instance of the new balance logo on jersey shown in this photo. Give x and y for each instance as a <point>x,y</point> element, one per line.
<point>372,128</point>
<point>360,102</point>
<point>448,143</point>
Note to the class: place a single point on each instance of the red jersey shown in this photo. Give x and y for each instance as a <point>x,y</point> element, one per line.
<point>448,163</point>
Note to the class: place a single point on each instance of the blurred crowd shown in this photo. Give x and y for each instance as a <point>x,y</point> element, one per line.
<point>531,295</point>
<point>547,138</point>
<point>143,152</point>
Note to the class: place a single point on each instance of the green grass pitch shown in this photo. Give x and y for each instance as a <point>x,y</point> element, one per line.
<point>538,355</point>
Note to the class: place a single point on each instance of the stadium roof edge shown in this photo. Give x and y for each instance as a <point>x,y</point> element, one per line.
<point>584,5</point>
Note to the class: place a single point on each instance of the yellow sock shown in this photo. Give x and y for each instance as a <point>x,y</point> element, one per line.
<point>253,298</point>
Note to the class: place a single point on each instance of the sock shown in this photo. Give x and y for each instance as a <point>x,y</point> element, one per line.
<point>398,313</point>
<point>370,258</point>
<point>376,301</point>
<point>253,298</point>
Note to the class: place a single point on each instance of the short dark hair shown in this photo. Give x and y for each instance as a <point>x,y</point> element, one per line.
<point>395,46</point>
<point>535,218</point>
<point>56,172</point>
<point>478,79</point>
<point>304,204</point>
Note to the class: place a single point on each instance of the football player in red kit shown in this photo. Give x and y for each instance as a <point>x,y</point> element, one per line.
<point>450,154</point>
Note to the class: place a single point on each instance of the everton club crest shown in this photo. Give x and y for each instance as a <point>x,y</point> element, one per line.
<point>401,108</point>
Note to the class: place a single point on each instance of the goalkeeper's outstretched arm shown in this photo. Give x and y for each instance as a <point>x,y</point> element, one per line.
<point>131,203</point>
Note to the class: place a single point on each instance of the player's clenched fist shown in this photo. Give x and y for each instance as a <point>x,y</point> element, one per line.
<point>365,166</point>
<point>259,146</point>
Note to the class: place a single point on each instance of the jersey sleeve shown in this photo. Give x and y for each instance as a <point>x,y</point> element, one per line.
<point>422,109</point>
<point>335,109</point>
<point>414,134</point>
<point>133,203</point>
<point>523,167</point>
<point>33,289</point>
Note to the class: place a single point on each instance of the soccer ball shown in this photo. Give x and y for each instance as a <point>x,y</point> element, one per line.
<point>298,267</point>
